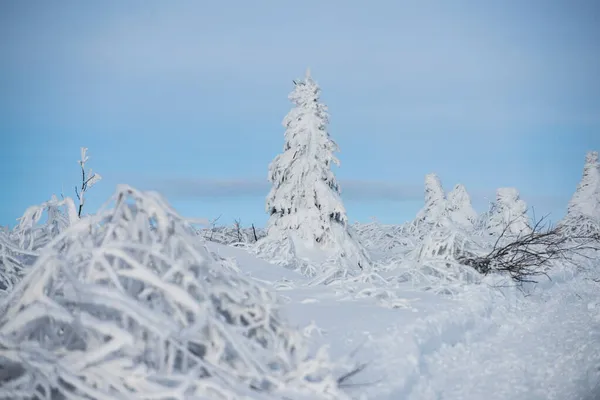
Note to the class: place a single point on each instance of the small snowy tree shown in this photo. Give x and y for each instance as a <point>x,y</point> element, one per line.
<point>434,212</point>
<point>508,215</point>
<point>583,213</point>
<point>459,208</point>
<point>304,202</point>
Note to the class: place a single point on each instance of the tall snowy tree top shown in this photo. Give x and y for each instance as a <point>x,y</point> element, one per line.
<point>509,213</point>
<point>435,201</point>
<point>586,199</point>
<point>459,207</point>
<point>305,194</point>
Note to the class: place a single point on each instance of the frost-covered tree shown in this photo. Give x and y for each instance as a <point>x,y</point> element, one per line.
<point>304,203</point>
<point>508,215</point>
<point>459,208</point>
<point>305,196</point>
<point>434,211</point>
<point>584,208</point>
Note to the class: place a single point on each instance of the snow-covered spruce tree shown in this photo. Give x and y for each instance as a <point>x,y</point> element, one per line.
<point>583,213</point>
<point>129,304</point>
<point>304,204</point>
<point>434,213</point>
<point>508,215</point>
<point>459,208</point>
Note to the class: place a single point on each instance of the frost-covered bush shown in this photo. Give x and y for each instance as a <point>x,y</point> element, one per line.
<point>19,247</point>
<point>438,255</point>
<point>508,215</point>
<point>12,265</point>
<point>375,236</point>
<point>304,203</point>
<point>129,304</point>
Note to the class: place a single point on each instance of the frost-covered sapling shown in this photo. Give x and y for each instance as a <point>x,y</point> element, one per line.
<point>88,180</point>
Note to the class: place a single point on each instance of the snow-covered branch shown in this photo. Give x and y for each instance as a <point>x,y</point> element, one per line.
<point>88,179</point>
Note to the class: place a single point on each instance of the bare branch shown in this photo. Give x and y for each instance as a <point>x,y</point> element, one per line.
<point>530,255</point>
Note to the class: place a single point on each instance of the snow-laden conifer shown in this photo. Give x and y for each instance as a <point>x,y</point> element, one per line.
<point>434,213</point>
<point>130,304</point>
<point>304,203</point>
<point>508,214</point>
<point>583,213</point>
<point>459,208</point>
<point>435,201</point>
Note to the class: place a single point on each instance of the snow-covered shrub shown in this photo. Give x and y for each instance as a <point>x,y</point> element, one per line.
<point>438,255</point>
<point>130,304</point>
<point>19,247</point>
<point>304,203</point>
<point>12,266</point>
<point>583,213</point>
<point>375,236</point>
<point>508,215</point>
<point>32,233</point>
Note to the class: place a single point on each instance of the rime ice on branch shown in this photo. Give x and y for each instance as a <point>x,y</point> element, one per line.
<point>304,202</point>
<point>88,180</point>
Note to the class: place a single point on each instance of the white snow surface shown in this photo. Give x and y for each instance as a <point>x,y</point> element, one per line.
<point>486,342</point>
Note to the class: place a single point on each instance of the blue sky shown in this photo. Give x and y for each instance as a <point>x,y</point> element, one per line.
<point>187,98</point>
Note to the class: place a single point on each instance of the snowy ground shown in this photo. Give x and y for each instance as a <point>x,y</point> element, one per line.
<point>484,343</point>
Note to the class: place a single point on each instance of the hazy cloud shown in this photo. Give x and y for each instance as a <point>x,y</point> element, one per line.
<point>354,190</point>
